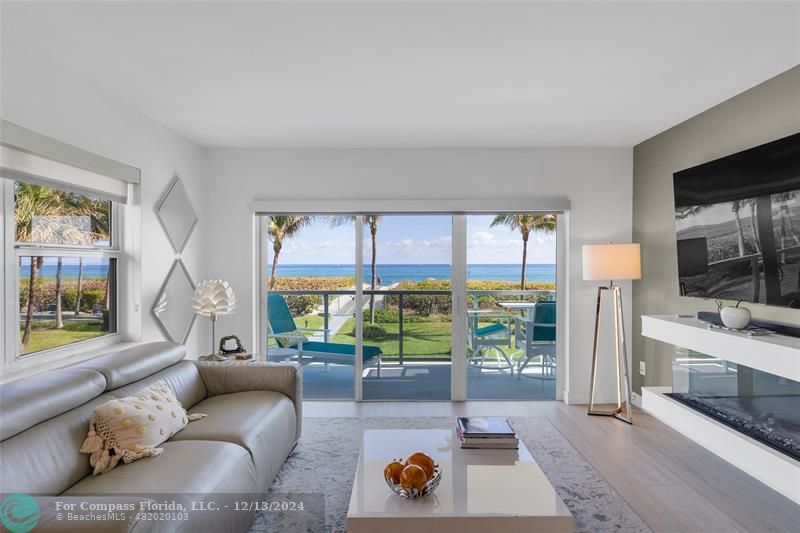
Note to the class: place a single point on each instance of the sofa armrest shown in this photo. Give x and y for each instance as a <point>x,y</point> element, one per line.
<point>286,378</point>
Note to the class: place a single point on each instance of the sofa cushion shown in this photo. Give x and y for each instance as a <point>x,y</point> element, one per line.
<point>286,378</point>
<point>189,467</point>
<point>187,472</point>
<point>262,422</point>
<point>125,366</point>
<point>45,459</point>
<point>183,379</point>
<point>31,400</point>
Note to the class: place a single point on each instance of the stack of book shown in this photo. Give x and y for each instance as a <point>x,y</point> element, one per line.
<point>486,432</point>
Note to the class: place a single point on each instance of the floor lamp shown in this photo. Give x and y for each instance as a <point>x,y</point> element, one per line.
<point>612,262</point>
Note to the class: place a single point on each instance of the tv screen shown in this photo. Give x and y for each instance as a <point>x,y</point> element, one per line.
<point>737,222</point>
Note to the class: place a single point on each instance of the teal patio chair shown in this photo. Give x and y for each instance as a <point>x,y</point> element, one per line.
<point>485,341</point>
<point>537,337</point>
<point>283,329</point>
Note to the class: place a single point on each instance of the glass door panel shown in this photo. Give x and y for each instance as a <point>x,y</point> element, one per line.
<point>511,307</point>
<point>310,276</point>
<point>407,308</point>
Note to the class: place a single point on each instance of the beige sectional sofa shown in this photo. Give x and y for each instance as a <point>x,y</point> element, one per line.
<point>254,416</point>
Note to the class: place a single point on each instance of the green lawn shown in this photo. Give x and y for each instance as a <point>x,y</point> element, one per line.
<point>311,320</point>
<point>420,339</point>
<point>43,337</point>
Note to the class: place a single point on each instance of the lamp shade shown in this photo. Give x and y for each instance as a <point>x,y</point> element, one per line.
<point>611,261</point>
<point>214,297</point>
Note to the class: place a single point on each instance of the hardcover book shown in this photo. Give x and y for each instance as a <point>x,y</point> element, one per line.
<point>489,427</point>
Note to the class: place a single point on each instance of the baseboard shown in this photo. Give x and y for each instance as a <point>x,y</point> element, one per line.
<point>771,467</point>
<point>575,398</point>
<point>582,398</point>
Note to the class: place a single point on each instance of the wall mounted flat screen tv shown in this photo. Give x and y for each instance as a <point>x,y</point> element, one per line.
<point>737,221</point>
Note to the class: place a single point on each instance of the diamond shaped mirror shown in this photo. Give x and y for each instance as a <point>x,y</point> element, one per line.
<point>173,306</point>
<point>175,213</point>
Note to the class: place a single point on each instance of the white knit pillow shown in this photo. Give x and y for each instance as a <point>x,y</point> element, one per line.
<point>127,429</point>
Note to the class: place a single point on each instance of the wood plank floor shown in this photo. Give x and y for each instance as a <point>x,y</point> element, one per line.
<point>674,484</point>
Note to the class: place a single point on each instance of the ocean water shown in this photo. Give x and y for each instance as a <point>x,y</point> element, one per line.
<point>68,271</point>
<point>393,273</point>
<point>388,273</point>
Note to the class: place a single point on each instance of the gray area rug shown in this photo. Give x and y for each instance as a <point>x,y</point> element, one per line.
<point>319,473</point>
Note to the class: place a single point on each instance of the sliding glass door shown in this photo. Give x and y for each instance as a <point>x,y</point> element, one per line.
<point>366,304</point>
<point>309,276</point>
<point>408,306</point>
<point>511,306</point>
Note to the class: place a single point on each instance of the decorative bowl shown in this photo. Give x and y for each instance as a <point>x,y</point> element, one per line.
<point>429,487</point>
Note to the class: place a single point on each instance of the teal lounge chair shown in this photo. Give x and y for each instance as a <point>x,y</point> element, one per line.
<point>283,329</point>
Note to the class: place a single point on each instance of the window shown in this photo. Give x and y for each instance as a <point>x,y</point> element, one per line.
<point>65,254</point>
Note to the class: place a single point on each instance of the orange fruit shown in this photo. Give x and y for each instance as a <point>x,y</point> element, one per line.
<point>413,477</point>
<point>392,471</point>
<point>423,461</point>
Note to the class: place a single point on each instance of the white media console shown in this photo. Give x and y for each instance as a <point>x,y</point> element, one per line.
<point>776,354</point>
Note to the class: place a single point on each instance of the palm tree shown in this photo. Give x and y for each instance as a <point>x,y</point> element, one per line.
<point>372,222</point>
<point>31,201</point>
<point>736,206</point>
<point>79,288</point>
<point>278,229</point>
<point>526,223</point>
<point>59,316</point>
<point>756,240</point>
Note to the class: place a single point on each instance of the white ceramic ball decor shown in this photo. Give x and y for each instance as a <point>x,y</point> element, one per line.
<point>735,317</point>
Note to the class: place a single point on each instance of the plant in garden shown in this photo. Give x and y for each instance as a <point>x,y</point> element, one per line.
<point>373,332</point>
<point>526,223</point>
<point>302,304</point>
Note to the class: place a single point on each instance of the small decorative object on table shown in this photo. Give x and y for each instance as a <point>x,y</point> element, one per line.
<point>733,316</point>
<point>226,349</point>
<point>416,477</point>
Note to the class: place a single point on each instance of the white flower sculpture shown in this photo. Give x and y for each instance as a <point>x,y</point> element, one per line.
<point>214,297</point>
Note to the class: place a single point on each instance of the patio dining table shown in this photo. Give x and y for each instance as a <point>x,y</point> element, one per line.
<point>526,307</point>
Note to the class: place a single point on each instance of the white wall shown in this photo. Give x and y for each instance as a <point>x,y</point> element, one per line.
<point>40,96</point>
<point>768,111</point>
<point>598,182</point>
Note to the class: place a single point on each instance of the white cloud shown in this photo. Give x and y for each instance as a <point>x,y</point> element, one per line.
<point>442,242</point>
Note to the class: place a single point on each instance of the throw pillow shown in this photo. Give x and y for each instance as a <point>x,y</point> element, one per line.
<point>292,340</point>
<point>127,429</point>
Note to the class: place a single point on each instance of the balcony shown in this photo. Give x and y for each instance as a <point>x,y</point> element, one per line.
<point>413,328</point>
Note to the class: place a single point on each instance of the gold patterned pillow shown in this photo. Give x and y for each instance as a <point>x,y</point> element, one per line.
<point>127,429</point>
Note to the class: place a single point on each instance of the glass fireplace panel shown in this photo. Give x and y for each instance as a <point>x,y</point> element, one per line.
<point>759,404</point>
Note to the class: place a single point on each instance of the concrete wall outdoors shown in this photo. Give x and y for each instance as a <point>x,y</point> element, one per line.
<point>596,180</point>
<point>764,113</point>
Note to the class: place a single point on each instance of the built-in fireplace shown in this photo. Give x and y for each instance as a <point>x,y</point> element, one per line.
<point>761,405</point>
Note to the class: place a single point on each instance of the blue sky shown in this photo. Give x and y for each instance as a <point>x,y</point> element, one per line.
<point>416,240</point>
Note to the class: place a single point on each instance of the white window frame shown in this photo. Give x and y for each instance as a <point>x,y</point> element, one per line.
<point>457,209</point>
<point>12,250</point>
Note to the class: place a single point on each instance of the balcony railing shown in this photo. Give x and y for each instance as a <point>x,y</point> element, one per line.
<point>477,299</point>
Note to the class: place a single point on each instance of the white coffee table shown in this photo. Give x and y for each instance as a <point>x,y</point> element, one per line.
<point>482,491</point>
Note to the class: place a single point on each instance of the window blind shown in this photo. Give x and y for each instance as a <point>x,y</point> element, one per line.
<point>29,156</point>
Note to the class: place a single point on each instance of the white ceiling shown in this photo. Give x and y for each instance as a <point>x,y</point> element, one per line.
<point>413,73</point>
